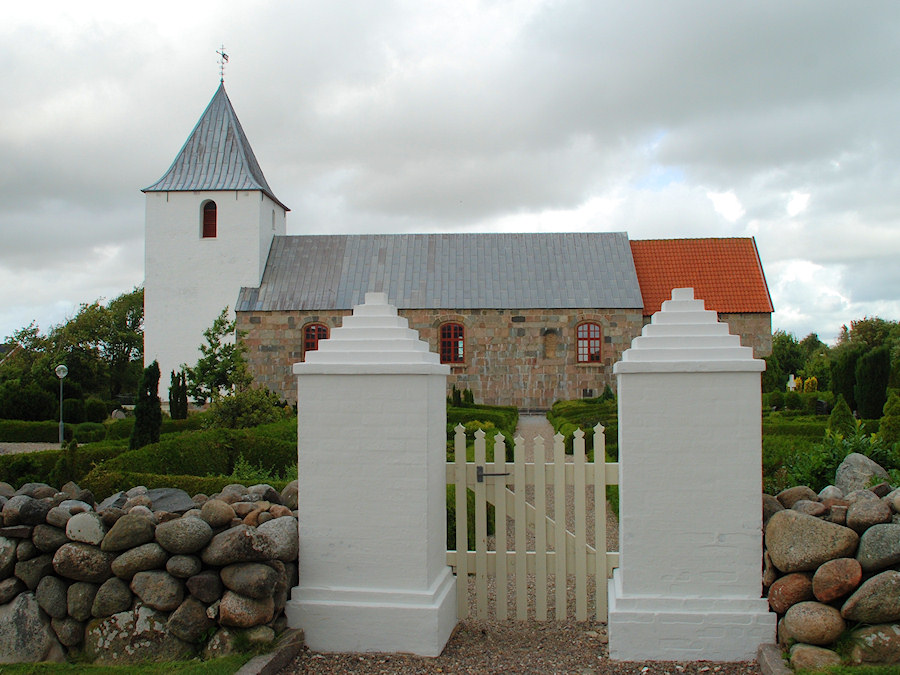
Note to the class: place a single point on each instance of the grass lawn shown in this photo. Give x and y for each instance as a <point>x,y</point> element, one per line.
<point>225,665</point>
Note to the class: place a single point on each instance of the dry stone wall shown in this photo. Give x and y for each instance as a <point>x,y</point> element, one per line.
<point>146,575</point>
<point>831,566</point>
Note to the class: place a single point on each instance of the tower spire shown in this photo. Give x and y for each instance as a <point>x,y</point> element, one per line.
<point>223,59</point>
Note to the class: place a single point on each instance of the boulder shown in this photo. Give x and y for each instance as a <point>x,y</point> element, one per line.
<point>86,527</point>
<point>26,550</point>
<point>810,657</point>
<point>47,539</point>
<point>289,495</point>
<point>25,633</point>
<point>222,643</point>
<point>285,535</point>
<point>864,513</point>
<point>172,500</point>
<point>876,601</point>
<point>36,490</point>
<point>856,473</point>
<point>879,547</point>
<point>80,599</point>
<point>217,513</point>
<point>875,644</point>
<point>239,611</point>
<point>146,557</point>
<point>134,637</point>
<point>813,623</point>
<point>10,588</point>
<point>184,536</point>
<point>238,544</point>
<point>33,570</point>
<point>183,566</point>
<point>788,497</point>
<point>205,586</point>
<point>25,510</point>
<point>254,580</point>
<point>265,493</point>
<point>82,562</point>
<point>789,590</point>
<point>7,556</point>
<point>190,622</point>
<point>129,531</point>
<point>73,492</point>
<point>836,579</point>
<point>7,491</point>
<point>114,501</point>
<point>69,631</point>
<point>809,507</point>
<point>112,597</point>
<point>158,589</point>
<point>799,543</point>
<point>51,596</point>
<point>830,492</point>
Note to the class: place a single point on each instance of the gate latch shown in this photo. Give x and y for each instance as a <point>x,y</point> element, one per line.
<point>480,474</point>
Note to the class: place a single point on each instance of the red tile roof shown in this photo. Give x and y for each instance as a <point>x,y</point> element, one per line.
<point>725,273</point>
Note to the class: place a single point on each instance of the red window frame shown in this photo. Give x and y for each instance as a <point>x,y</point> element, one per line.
<point>312,333</point>
<point>589,342</point>
<point>453,343</point>
<point>210,217</point>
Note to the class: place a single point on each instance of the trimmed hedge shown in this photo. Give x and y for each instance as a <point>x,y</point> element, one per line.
<point>568,416</point>
<point>28,467</point>
<point>505,418</point>
<point>201,453</point>
<point>17,431</point>
<point>122,428</point>
<point>90,432</point>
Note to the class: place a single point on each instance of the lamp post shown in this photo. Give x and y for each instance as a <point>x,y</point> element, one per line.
<point>61,372</point>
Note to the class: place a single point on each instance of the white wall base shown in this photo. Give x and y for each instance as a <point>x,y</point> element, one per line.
<point>648,628</point>
<point>370,620</point>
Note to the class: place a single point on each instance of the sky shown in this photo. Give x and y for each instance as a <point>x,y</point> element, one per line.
<point>661,119</point>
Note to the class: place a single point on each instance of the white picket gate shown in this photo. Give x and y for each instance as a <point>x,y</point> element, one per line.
<point>561,554</point>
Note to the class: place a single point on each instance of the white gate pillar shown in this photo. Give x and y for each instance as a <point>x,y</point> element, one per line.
<point>689,582</point>
<point>372,490</point>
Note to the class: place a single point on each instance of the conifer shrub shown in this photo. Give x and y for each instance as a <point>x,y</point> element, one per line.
<point>147,412</point>
<point>811,384</point>
<point>841,420</point>
<point>889,427</point>
<point>872,372</point>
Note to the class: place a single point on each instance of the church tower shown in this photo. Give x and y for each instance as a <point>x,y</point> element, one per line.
<point>210,221</point>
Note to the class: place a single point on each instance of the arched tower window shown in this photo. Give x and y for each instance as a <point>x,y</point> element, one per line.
<point>589,342</point>
<point>209,220</point>
<point>312,333</point>
<point>453,338</point>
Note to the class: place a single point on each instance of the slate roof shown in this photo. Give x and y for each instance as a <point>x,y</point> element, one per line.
<point>216,156</point>
<point>726,273</point>
<point>448,271</point>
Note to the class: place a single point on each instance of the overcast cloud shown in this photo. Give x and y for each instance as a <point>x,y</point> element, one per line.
<point>662,119</point>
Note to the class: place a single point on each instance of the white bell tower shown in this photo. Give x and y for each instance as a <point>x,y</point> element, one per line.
<point>210,221</point>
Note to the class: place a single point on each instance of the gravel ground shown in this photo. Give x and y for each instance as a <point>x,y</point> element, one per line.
<point>522,647</point>
<point>14,448</point>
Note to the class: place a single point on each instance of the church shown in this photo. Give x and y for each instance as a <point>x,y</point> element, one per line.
<point>521,319</point>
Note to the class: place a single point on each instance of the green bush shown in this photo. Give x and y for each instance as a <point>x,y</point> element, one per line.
<point>90,432</point>
<point>774,400</point>
<point>73,411</point>
<point>20,431</point>
<point>585,414</point>
<point>74,463</point>
<point>470,518</point>
<point>95,410</point>
<point>29,403</point>
<point>27,467</point>
<point>872,372</point>
<point>889,427</point>
<point>284,430</point>
<point>792,401</point>
<point>247,408</point>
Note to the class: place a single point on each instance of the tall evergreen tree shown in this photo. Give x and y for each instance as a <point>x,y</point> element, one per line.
<point>147,412</point>
<point>178,398</point>
<point>872,372</point>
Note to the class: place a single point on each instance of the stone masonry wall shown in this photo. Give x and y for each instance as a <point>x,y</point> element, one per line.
<point>755,330</point>
<point>525,358</point>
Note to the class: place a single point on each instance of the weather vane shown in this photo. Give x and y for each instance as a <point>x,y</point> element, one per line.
<point>223,59</point>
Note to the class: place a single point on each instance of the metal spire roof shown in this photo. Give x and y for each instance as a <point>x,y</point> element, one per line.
<point>216,156</point>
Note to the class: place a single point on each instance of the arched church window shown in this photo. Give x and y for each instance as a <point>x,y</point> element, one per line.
<point>209,220</point>
<point>312,333</point>
<point>453,337</point>
<point>589,342</point>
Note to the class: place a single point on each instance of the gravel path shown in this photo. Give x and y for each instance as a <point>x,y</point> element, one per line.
<point>521,647</point>
<point>14,448</point>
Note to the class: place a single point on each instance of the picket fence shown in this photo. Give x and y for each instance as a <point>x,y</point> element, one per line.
<point>561,555</point>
